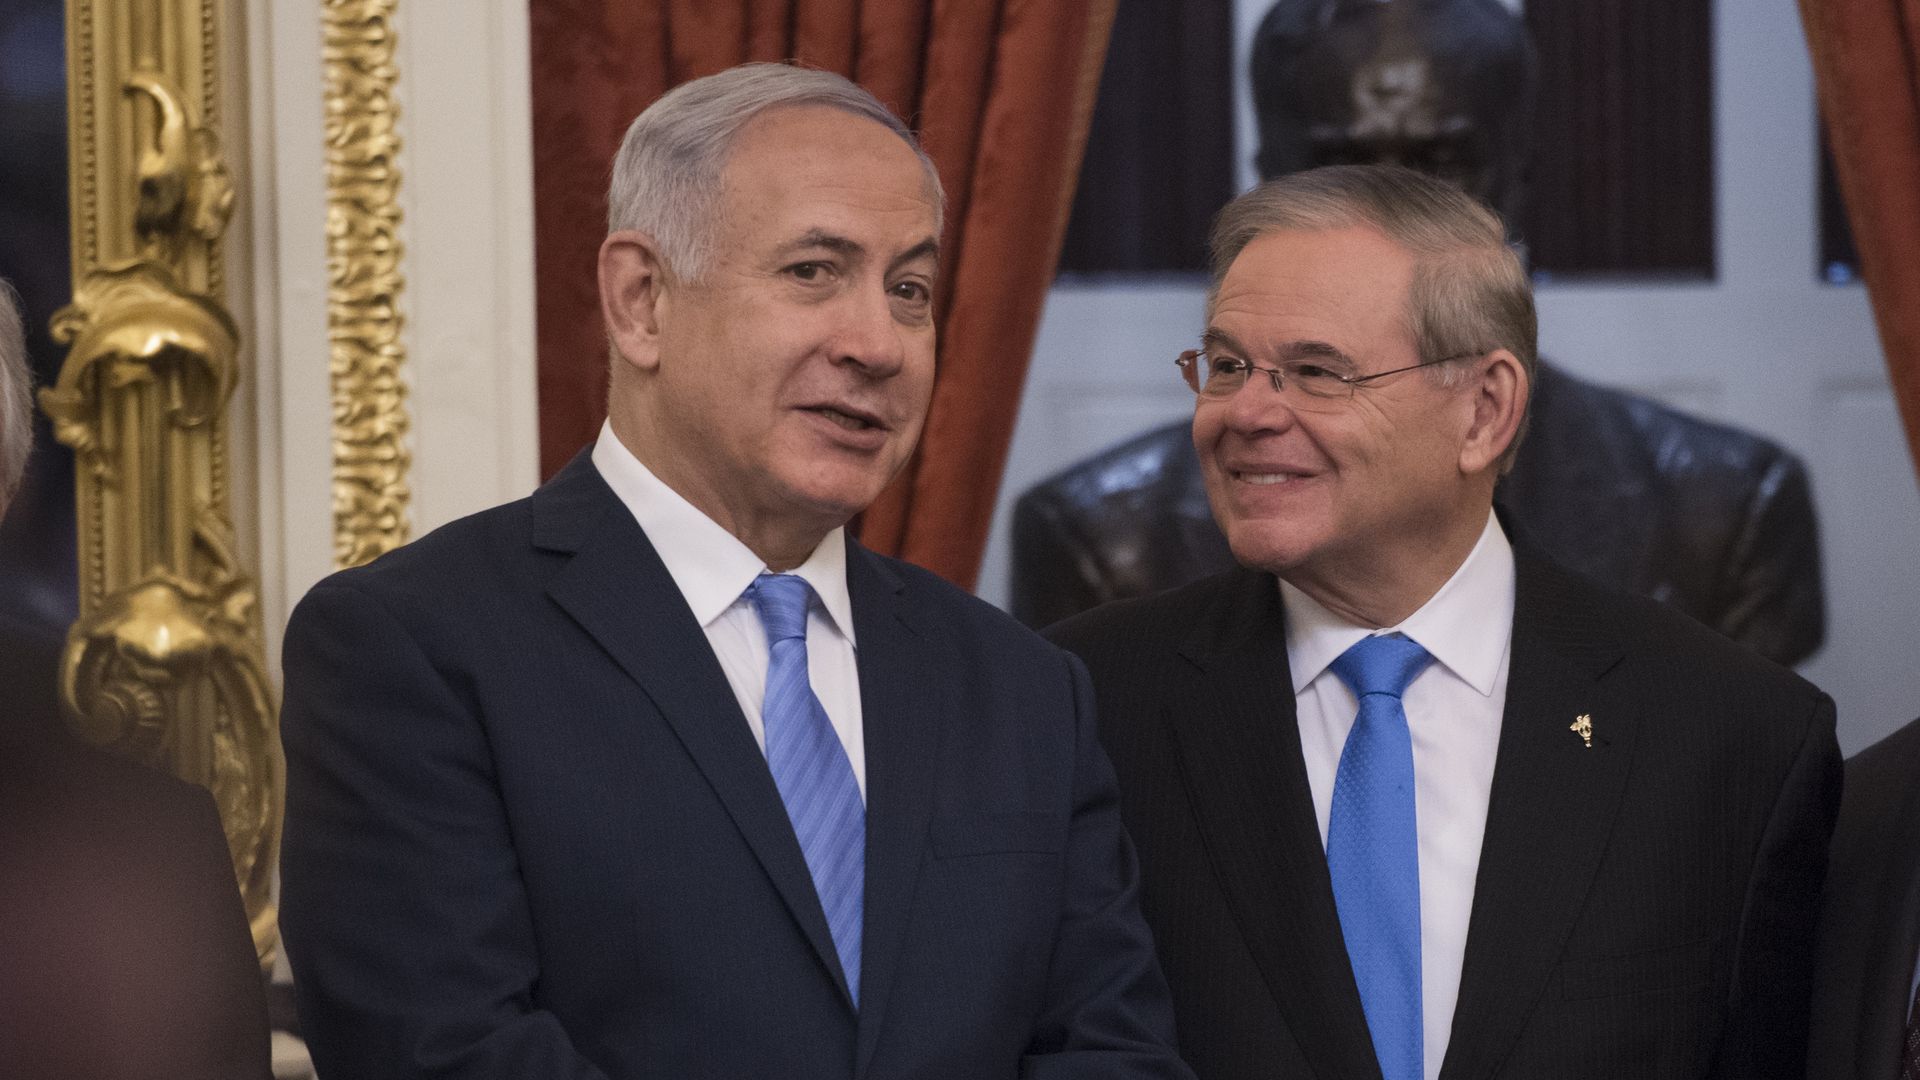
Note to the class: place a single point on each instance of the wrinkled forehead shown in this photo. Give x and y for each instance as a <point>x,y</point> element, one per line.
<point>820,178</point>
<point>1327,284</point>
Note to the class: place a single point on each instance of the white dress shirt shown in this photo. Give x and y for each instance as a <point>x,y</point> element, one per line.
<point>713,568</point>
<point>1453,712</point>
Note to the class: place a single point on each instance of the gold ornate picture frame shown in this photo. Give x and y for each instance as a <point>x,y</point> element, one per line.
<point>364,251</point>
<point>165,663</point>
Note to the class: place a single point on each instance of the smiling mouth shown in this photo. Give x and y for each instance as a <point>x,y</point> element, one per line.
<point>1264,479</point>
<point>851,421</point>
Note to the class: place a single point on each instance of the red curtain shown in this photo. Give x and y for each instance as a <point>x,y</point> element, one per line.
<point>1001,92</point>
<point>1866,60</point>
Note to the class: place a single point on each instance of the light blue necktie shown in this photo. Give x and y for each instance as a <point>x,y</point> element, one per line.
<point>811,770</point>
<point>1373,850</point>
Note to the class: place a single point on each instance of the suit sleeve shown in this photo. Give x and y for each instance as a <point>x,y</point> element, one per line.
<point>1772,984</point>
<point>408,930</point>
<point>1107,1012</point>
<point>1774,601</point>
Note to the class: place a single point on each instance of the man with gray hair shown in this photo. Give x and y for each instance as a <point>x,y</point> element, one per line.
<point>16,400</point>
<point>1410,800</point>
<point>658,772</point>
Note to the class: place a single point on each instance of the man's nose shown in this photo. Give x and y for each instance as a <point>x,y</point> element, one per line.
<point>1258,405</point>
<point>870,337</point>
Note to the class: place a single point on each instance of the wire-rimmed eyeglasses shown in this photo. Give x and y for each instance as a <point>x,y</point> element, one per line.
<point>1216,376</point>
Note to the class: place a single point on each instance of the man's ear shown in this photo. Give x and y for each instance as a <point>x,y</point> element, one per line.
<point>1499,388</point>
<point>633,281</point>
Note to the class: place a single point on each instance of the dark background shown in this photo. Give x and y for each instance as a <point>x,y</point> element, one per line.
<point>37,586</point>
<point>1620,181</point>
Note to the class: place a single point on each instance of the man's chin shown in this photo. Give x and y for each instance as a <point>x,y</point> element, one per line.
<point>836,499</point>
<point>1270,550</point>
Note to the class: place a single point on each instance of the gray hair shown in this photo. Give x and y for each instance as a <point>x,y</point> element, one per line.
<point>1470,294</point>
<point>16,399</point>
<point>666,175</point>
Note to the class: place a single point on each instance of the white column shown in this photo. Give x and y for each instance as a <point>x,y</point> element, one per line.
<point>467,198</point>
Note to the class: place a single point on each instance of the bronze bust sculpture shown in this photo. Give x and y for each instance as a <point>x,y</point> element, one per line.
<point>1716,521</point>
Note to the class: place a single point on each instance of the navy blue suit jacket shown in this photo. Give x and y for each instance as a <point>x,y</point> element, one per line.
<point>529,833</point>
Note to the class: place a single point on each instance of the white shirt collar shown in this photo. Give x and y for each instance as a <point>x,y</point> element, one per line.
<point>1466,625</point>
<point>709,564</point>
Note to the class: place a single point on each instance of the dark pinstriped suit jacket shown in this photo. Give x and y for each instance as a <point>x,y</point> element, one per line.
<point>1870,921</point>
<point>1644,909</point>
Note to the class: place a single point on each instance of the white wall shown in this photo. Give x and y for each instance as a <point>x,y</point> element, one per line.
<point>1765,346</point>
<point>467,199</point>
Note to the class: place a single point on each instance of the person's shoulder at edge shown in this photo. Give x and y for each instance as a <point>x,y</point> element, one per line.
<point>122,920</point>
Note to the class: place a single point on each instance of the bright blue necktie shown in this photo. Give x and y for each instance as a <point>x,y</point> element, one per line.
<point>1373,850</point>
<point>811,770</point>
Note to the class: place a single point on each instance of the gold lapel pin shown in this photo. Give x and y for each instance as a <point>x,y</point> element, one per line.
<point>1583,727</point>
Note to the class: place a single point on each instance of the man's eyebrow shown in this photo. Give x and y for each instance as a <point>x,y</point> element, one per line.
<point>1292,351</point>
<point>1314,350</point>
<point>925,249</point>
<point>847,247</point>
<point>821,238</point>
<point>1213,339</point>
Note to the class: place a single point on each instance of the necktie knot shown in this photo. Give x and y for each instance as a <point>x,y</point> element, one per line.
<point>1381,665</point>
<point>781,600</point>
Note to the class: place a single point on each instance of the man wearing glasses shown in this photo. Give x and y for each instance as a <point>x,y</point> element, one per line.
<point>1407,795</point>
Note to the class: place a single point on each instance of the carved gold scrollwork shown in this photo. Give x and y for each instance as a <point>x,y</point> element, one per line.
<point>183,182</point>
<point>364,282</point>
<point>131,326</point>
<point>165,673</point>
<point>165,664</point>
<point>166,668</point>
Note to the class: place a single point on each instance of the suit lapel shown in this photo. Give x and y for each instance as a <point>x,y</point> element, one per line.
<point>1548,817</point>
<point>903,711</point>
<point>1239,744</point>
<point>620,593</point>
